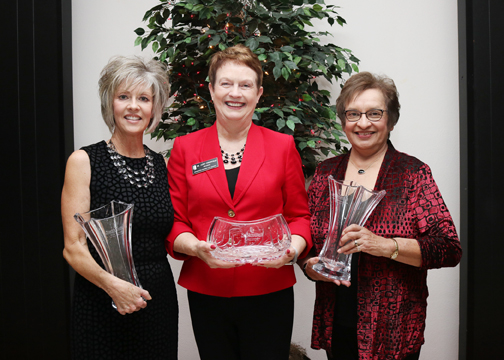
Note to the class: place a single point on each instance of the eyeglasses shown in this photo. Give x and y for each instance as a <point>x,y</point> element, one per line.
<point>372,115</point>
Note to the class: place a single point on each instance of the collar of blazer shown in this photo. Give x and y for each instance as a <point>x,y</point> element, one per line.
<point>253,159</point>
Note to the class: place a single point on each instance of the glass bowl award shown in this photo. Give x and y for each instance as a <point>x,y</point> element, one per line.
<point>249,241</point>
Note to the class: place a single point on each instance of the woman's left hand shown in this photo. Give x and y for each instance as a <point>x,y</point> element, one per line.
<point>298,244</point>
<point>281,261</point>
<point>359,239</point>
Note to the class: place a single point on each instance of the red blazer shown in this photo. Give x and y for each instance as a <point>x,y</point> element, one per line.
<point>270,182</point>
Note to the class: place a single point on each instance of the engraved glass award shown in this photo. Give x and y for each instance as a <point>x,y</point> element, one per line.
<point>249,241</point>
<point>109,230</point>
<point>350,204</point>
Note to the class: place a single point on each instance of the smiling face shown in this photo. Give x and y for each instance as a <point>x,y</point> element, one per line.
<point>365,136</point>
<point>132,109</point>
<point>235,93</point>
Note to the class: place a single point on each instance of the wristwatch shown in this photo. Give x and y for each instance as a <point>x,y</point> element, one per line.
<point>396,252</point>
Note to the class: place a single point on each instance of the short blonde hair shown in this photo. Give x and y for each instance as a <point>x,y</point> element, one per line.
<point>131,72</point>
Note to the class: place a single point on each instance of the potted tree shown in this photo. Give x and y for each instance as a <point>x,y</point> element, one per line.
<point>186,33</point>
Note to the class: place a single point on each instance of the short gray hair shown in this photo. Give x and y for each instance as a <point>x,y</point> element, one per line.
<point>132,71</point>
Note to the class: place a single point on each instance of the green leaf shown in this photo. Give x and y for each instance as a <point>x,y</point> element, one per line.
<point>277,72</point>
<point>206,13</point>
<point>354,59</point>
<point>290,64</point>
<point>306,97</point>
<point>155,47</point>
<point>191,121</point>
<point>341,63</point>
<point>278,112</point>
<point>144,43</point>
<point>291,125</point>
<point>276,57</point>
<point>311,143</point>
<point>252,43</point>
<point>138,41</point>
<point>280,123</point>
<point>215,40</point>
<point>355,68</point>
<point>198,8</point>
<point>285,73</point>
<point>139,31</point>
<point>317,7</point>
<point>287,49</point>
<point>264,39</point>
<point>294,119</point>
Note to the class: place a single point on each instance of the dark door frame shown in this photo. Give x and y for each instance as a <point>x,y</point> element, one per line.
<point>37,137</point>
<point>481,69</point>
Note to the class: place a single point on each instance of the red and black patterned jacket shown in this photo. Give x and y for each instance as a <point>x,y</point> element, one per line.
<point>392,297</point>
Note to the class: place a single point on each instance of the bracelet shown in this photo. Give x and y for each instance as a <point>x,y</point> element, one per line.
<point>294,260</point>
<point>305,274</point>
<point>396,252</point>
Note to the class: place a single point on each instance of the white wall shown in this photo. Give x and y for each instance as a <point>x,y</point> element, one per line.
<point>413,42</point>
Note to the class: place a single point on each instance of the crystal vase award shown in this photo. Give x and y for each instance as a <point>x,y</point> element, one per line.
<point>350,204</point>
<point>249,241</point>
<point>109,230</point>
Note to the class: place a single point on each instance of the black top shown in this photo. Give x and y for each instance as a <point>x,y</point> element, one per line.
<point>232,177</point>
<point>98,330</point>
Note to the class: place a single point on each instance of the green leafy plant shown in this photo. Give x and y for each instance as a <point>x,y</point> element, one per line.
<point>185,34</point>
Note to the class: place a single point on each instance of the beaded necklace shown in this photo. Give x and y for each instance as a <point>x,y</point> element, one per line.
<point>141,178</point>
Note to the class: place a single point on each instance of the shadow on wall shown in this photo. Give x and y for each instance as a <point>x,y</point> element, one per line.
<point>297,353</point>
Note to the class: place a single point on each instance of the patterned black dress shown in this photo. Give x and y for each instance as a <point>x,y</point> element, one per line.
<point>98,330</point>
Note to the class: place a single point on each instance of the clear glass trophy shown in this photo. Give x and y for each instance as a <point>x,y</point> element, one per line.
<point>249,241</point>
<point>109,230</point>
<point>350,204</point>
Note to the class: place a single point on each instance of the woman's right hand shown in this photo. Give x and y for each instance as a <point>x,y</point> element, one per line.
<point>127,297</point>
<point>312,274</point>
<point>75,198</point>
<point>187,243</point>
<point>203,250</point>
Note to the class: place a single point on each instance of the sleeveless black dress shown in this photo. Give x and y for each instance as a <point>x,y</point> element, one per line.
<point>98,330</point>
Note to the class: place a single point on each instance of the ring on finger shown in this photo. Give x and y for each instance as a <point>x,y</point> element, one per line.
<point>356,243</point>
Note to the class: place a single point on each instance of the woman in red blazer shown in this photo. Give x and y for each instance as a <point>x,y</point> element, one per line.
<point>239,171</point>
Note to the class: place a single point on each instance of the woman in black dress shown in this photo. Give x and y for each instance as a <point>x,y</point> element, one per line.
<point>133,93</point>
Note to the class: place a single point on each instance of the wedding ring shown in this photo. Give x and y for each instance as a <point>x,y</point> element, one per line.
<point>356,243</point>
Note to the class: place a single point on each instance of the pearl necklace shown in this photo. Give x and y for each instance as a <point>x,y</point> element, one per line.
<point>140,178</point>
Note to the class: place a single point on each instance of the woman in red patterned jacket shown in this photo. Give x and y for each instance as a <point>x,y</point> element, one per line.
<point>381,313</point>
